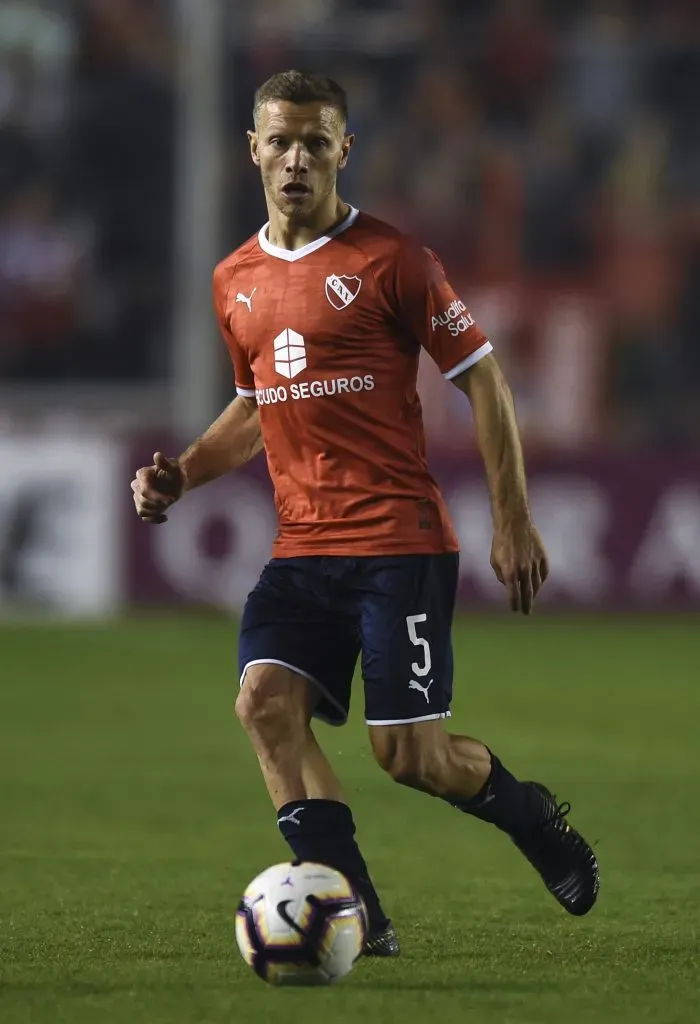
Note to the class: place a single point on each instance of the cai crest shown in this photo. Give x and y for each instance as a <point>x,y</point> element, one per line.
<point>341,291</point>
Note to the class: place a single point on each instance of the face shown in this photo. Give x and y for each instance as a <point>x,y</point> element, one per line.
<point>299,149</point>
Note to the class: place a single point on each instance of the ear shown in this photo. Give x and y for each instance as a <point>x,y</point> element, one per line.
<point>253,142</point>
<point>345,148</point>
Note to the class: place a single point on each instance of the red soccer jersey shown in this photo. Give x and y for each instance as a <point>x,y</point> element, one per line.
<point>327,339</point>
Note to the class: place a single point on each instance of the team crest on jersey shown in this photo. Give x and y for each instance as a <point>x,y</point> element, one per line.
<point>341,291</point>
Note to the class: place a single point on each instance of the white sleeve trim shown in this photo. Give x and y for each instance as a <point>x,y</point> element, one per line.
<point>245,392</point>
<point>469,361</point>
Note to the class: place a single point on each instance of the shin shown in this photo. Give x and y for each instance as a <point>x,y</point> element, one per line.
<point>274,707</point>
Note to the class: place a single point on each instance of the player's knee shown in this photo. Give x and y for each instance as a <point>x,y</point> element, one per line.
<point>411,759</point>
<point>268,704</point>
<point>254,711</point>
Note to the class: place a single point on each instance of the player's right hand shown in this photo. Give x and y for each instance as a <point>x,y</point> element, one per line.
<point>156,488</point>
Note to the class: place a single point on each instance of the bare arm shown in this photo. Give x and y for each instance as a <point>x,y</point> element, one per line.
<point>517,556</point>
<point>499,440</point>
<point>231,441</point>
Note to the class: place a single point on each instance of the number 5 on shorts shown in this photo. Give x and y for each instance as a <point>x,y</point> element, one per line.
<point>419,641</point>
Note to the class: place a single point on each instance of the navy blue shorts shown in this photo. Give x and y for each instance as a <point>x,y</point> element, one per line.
<point>317,614</point>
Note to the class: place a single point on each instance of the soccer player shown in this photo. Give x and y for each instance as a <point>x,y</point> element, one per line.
<point>324,313</point>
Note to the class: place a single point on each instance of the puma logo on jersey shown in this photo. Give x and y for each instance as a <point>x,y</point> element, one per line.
<point>341,291</point>
<point>248,299</point>
<point>413,685</point>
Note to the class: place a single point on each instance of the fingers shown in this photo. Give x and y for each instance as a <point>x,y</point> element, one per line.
<point>159,482</point>
<point>536,577</point>
<point>521,566</point>
<point>531,581</point>
<point>150,509</point>
<point>148,506</point>
<point>167,470</point>
<point>156,488</point>
<point>146,483</point>
<point>522,585</point>
<point>520,590</point>
<point>148,499</point>
<point>509,578</point>
<point>497,571</point>
<point>162,462</point>
<point>511,583</point>
<point>155,520</point>
<point>525,589</point>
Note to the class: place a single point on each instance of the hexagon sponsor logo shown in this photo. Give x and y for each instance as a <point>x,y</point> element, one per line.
<point>290,353</point>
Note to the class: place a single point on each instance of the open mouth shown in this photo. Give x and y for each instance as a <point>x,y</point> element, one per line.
<point>296,190</point>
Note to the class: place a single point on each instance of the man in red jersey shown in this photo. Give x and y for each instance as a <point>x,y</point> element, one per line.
<point>324,313</point>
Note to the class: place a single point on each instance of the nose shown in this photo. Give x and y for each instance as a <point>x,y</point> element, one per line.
<point>296,159</point>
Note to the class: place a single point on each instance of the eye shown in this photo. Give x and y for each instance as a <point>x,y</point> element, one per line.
<point>277,141</point>
<point>319,143</point>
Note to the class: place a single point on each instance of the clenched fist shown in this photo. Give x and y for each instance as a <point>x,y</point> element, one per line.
<point>157,487</point>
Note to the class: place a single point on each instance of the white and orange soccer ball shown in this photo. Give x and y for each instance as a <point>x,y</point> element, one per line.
<point>301,924</point>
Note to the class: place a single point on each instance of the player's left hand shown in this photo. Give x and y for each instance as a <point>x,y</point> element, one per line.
<point>520,563</point>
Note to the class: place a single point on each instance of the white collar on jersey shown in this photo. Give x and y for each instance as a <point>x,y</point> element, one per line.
<point>291,255</point>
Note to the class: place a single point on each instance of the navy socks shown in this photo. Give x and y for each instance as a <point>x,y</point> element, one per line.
<point>513,807</point>
<point>324,831</point>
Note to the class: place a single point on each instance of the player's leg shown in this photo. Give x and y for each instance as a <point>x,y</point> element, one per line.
<point>275,707</point>
<point>296,662</point>
<point>426,757</point>
<point>407,664</point>
<point>312,812</point>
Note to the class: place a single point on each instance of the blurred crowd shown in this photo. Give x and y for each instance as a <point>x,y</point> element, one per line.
<point>87,114</point>
<point>538,145</point>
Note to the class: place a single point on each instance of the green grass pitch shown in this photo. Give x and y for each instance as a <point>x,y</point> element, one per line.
<point>132,815</point>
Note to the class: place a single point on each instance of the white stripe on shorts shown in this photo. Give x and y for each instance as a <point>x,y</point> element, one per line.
<point>304,675</point>
<point>411,721</point>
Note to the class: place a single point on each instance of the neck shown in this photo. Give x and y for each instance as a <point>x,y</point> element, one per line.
<point>290,233</point>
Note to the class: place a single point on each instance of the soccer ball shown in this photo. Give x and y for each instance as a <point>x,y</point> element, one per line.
<point>301,924</point>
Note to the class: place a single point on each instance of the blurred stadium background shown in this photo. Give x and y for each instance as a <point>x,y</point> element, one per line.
<point>550,152</point>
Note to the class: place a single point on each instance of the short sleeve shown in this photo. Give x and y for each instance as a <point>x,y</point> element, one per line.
<point>243,375</point>
<point>431,310</point>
